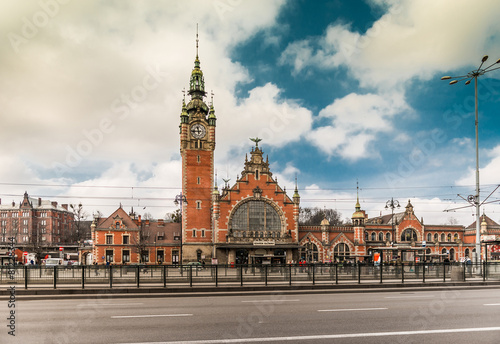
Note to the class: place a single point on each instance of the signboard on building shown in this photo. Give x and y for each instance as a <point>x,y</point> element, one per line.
<point>487,238</point>
<point>264,242</point>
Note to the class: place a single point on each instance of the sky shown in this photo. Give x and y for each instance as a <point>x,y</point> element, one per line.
<point>344,94</point>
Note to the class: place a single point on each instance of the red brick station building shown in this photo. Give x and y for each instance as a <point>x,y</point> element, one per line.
<point>255,221</point>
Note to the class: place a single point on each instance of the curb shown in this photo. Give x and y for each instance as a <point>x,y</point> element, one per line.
<point>58,294</point>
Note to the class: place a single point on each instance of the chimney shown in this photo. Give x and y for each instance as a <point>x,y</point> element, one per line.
<point>39,201</point>
<point>65,206</point>
<point>13,203</point>
<point>54,204</point>
<point>160,222</point>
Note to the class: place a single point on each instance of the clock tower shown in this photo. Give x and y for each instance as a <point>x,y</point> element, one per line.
<point>197,136</point>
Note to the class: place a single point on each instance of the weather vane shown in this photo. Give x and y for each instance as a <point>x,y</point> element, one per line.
<point>256,140</point>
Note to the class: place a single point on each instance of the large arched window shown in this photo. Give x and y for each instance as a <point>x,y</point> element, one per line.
<point>388,236</point>
<point>255,216</point>
<point>374,236</point>
<point>312,252</point>
<point>341,250</point>
<point>429,237</point>
<point>380,236</point>
<point>409,235</point>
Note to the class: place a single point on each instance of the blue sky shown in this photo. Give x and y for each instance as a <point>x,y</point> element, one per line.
<point>342,92</point>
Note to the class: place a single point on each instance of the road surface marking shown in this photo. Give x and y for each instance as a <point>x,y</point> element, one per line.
<point>116,304</point>
<point>271,301</point>
<point>407,297</point>
<point>491,304</point>
<point>350,309</point>
<point>326,336</point>
<point>150,316</point>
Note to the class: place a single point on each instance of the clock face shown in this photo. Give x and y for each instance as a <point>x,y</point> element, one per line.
<point>198,131</point>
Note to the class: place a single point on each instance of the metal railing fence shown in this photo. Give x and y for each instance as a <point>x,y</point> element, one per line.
<point>116,276</point>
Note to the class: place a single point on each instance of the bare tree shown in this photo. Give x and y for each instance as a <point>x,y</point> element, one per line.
<point>80,230</point>
<point>140,242</point>
<point>314,216</point>
<point>174,217</point>
<point>451,221</point>
<point>147,216</point>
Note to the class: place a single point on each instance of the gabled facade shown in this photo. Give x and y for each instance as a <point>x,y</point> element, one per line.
<point>255,221</point>
<point>124,238</point>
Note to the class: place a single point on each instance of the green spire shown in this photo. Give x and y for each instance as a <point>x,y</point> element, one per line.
<point>358,206</point>
<point>296,191</point>
<point>196,82</point>
<point>184,113</point>
<point>211,113</point>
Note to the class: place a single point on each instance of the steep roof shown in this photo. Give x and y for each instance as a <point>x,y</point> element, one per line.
<point>118,213</point>
<point>489,222</point>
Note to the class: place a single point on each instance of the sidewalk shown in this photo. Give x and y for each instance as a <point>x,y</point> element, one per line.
<point>44,292</point>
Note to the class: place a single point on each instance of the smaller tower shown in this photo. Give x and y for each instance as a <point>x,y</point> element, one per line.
<point>358,221</point>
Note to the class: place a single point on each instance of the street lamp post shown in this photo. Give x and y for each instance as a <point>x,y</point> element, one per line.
<point>392,203</point>
<point>475,200</point>
<point>180,199</point>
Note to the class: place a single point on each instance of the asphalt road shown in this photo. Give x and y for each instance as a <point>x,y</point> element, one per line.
<point>454,316</point>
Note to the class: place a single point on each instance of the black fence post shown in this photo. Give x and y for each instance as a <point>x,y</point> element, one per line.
<point>83,276</point>
<point>25,277</point>
<point>336,273</point>
<point>241,275</point>
<point>423,274</point>
<point>265,273</point>
<point>290,276</point>
<point>484,271</point>
<point>444,272</point>
<point>191,275</point>
<point>381,269</point>
<point>313,273</point>
<point>402,272</point>
<point>110,276</point>
<point>55,276</point>
<point>217,275</point>
<point>164,276</point>
<point>359,273</point>
<point>138,275</point>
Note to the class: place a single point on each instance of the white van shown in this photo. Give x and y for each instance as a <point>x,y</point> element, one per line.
<point>54,262</point>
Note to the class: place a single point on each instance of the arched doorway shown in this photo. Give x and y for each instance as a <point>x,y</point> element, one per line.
<point>242,256</point>
<point>341,251</point>
<point>452,254</point>
<point>311,253</point>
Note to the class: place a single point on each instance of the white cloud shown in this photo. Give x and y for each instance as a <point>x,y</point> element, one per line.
<point>355,121</point>
<point>99,83</point>
<point>413,39</point>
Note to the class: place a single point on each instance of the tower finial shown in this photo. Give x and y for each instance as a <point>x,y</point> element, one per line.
<point>196,40</point>
<point>358,206</point>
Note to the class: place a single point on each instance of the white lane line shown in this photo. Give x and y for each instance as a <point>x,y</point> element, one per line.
<point>115,304</point>
<point>150,316</point>
<point>407,297</point>
<point>491,304</point>
<point>326,336</point>
<point>271,301</point>
<point>350,309</point>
